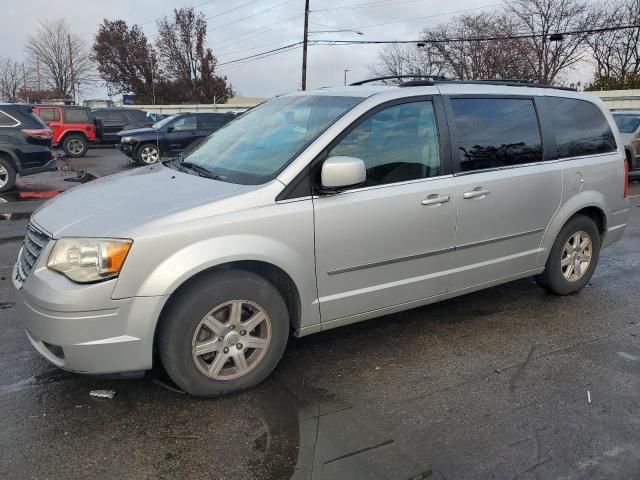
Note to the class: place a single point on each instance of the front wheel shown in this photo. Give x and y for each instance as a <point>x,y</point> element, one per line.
<point>75,146</point>
<point>148,154</point>
<point>225,333</point>
<point>7,175</point>
<point>573,257</point>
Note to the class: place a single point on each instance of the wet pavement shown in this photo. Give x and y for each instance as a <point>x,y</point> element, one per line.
<point>489,385</point>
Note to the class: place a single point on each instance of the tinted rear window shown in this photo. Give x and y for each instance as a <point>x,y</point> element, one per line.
<point>76,115</point>
<point>214,120</point>
<point>48,114</point>
<point>496,132</point>
<point>6,120</point>
<point>137,115</point>
<point>580,128</point>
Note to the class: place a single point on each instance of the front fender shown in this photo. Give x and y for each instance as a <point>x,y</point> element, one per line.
<point>567,210</point>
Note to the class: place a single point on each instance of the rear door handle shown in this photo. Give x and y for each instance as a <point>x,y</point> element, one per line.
<point>436,199</point>
<point>476,192</point>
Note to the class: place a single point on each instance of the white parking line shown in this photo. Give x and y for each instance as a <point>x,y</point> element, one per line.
<point>634,196</point>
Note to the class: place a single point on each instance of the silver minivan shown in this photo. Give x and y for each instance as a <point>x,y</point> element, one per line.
<point>316,210</point>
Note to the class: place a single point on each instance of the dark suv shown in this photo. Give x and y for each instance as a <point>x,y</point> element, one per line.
<point>25,144</point>
<point>170,136</point>
<point>110,121</point>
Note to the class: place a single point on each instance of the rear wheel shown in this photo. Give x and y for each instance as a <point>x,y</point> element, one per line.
<point>147,154</point>
<point>7,175</point>
<point>573,257</point>
<point>224,334</point>
<point>75,145</point>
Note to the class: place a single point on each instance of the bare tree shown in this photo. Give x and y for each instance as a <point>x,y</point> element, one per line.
<point>466,54</point>
<point>11,80</point>
<point>616,54</point>
<point>61,57</point>
<point>407,59</point>
<point>550,58</point>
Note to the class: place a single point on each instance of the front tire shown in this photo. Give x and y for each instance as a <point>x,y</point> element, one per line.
<point>148,154</point>
<point>7,175</point>
<point>573,257</point>
<point>75,146</point>
<point>223,334</point>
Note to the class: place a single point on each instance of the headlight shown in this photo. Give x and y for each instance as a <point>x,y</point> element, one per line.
<point>86,260</point>
<point>126,140</point>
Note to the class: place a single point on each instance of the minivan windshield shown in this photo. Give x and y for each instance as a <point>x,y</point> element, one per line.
<point>627,123</point>
<point>254,147</point>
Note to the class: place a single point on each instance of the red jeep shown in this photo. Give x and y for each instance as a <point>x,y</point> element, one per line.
<point>73,127</point>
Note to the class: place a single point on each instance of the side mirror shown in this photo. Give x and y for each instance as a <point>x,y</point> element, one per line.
<point>341,172</point>
<point>169,129</point>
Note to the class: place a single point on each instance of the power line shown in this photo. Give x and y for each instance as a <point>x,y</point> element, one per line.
<point>195,6</point>
<point>244,61</point>
<point>231,10</point>
<point>426,16</point>
<point>260,54</point>
<point>254,14</point>
<point>354,6</point>
<point>261,30</point>
<point>475,39</point>
<point>254,48</point>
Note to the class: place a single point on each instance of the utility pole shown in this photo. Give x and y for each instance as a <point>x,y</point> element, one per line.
<point>73,77</point>
<point>305,41</point>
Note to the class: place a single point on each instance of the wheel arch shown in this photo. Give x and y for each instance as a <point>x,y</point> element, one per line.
<point>592,206</point>
<point>73,132</point>
<point>12,158</point>
<point>280,279</point>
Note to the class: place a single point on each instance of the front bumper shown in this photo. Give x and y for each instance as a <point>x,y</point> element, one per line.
<point>127,149</point>
<point>81,328</point>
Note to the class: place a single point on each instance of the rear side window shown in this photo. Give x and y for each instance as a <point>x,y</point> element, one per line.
<point>496,132</point>
<point>117,117</point>
<point>49,114</point>
<point>136,115</point>
<point>76,115</point>
<point>580,128</point>
<point>7,121</point>
<point>211,121</point>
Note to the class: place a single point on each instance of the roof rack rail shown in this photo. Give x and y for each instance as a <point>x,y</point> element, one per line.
<point>431,78</point>
<point>506,82</point>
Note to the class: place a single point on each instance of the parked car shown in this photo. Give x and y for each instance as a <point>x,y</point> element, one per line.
<point>25,144</point>
<point>73,127</point>
<point>320,209</point>
<point>628,123</point>
<point>111,121</point>
<point>170,136</point>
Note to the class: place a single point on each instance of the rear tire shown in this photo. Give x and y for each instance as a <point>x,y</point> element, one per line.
<point>7,175</point>
<point>573,257</point>
<point>75,145</point>
<point>205,337</point>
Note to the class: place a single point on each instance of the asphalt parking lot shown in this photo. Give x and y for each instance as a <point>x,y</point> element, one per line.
<point>489,385</point>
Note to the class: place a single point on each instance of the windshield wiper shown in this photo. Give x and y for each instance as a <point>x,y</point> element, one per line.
<point>200,170</point>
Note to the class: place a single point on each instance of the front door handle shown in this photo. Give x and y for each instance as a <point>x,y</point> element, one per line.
<point>436,199</point>
<point>476,192</point>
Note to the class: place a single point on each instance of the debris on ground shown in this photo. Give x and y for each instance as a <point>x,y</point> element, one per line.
<point>589,397</point>
<point>102,393</point>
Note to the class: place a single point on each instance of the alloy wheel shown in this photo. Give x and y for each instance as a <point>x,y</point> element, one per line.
<point>149,154</point>
<point>75,146</point>
<point>576,256</point>
<point>231,340</point>
<point>4,176</point>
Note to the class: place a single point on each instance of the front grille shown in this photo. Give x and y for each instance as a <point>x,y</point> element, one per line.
<point>34,241</point>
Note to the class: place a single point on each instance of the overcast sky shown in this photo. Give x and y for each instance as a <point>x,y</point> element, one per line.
<point>274,23</point>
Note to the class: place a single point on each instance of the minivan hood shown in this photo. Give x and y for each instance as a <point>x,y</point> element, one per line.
<point>107,206</point>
